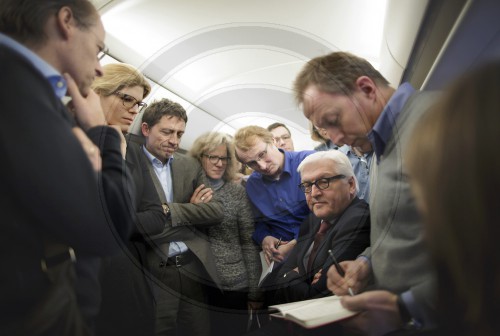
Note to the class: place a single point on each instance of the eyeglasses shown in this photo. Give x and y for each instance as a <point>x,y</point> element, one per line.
<point>262,155</point>
<point>321,183</point>
<point>215,159</point>
<point>103,52</point>
<point>129,101</point>
<point>284,137</point>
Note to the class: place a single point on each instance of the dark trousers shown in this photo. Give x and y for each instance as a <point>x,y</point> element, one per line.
<point>181,306</point>
<point>228,312</point>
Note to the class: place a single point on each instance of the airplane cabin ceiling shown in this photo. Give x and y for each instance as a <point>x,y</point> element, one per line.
<point>232,63</point>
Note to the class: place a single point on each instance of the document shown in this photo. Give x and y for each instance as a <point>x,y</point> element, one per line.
<point>266,269</point>
<point>313,313</point>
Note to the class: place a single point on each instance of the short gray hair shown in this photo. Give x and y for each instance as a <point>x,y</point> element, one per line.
<point>339,160</point>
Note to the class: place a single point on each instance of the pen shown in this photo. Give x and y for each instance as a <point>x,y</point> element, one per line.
<point>278,243</point>
<point>340,270</point>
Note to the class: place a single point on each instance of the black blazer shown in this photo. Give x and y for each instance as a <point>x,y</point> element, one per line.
<point>347,239</point>
<point>48,188</point>
<point>133,313</point>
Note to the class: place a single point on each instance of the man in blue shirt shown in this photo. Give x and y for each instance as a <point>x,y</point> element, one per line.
<point>279,206</point>
<point>349,99</point>
<point>361,163</point>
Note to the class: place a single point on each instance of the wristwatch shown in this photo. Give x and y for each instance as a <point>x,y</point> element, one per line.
<point>166,209</point>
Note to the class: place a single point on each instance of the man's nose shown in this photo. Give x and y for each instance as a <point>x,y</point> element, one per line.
<point>262,164</point>
<point>337,137</point>
<point>315,190</point>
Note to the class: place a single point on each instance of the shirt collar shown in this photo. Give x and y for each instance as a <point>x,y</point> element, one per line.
<point>382,130</point>
<point>55,79</point>
<point>287,164</point>
<point>154,160</point>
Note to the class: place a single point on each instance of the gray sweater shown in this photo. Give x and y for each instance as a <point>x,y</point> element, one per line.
<point>236,256</point>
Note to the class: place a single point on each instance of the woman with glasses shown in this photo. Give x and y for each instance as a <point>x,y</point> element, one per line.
<point>121,89</point>
<point>237,257</point>
<point>127,302</point>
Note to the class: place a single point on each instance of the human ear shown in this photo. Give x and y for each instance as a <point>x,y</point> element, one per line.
<point>366,85</point>
<point>65,22</point>
<point>145,129</point>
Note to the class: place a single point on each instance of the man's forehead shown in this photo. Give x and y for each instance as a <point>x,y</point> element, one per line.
<point>318,169</point>
<point>279,130</point>
<point>252,151</point>
<point>172,122</point>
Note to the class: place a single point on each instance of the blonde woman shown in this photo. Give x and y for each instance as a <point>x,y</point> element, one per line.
<point>237,257</point>
<point>122,89</point>
<point>127,303</point>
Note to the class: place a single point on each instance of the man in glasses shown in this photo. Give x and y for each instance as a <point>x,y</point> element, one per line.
<point>282,136</point>
<point>53,177</point>
<point>180,257</point>
<point>279,206</point>
<point>339,222</point>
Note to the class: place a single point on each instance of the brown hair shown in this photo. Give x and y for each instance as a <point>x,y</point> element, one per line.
<point>335,73</point>
<point>117,76</point>
<point>276,125</point>
<point>454,168</point>
<point>24,20</point>
<point>207,142</point>
<point>164,107</point>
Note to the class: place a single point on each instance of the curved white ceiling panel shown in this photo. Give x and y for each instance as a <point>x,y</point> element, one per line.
<point>231,63</point>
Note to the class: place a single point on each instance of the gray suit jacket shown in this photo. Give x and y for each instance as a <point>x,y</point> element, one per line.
<point>187,221</point>
<point>398,254</point>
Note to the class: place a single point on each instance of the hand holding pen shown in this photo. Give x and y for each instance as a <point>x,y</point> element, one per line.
<point>278,243</point>
<point>340,270</point>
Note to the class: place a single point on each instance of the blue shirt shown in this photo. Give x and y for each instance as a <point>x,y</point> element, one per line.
<point>361,168</point>
<point>382,130</point>
<point>164,174</point>
<point>279,206</point>
<point>55,79</point>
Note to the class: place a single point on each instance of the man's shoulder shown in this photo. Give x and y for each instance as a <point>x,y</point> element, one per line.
<point>358,207</point>
<point>185,163</point>
<point>419,103</point>
<point>295,158</point>
<point>180,157</point>
<point>134,148</point>
<point>16,69</point>
<point>301,154</point>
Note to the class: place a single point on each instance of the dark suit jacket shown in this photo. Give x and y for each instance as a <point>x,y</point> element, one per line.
<point>134,313</point>
<point>349,236</point>
<point>48,188</point>
<point>187,221</point>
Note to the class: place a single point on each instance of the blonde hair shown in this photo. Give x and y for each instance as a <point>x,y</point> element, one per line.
<point>247,136</point>
<point>208,142</point>
<point>117,76</point>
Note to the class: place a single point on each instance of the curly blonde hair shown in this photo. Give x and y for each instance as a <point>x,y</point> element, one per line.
<point>207,142</point>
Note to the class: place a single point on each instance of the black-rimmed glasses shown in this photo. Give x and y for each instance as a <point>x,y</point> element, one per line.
<point>321,183</point>
<point>128,101</point>
<point>215,159</point>
<point>262,155</point>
